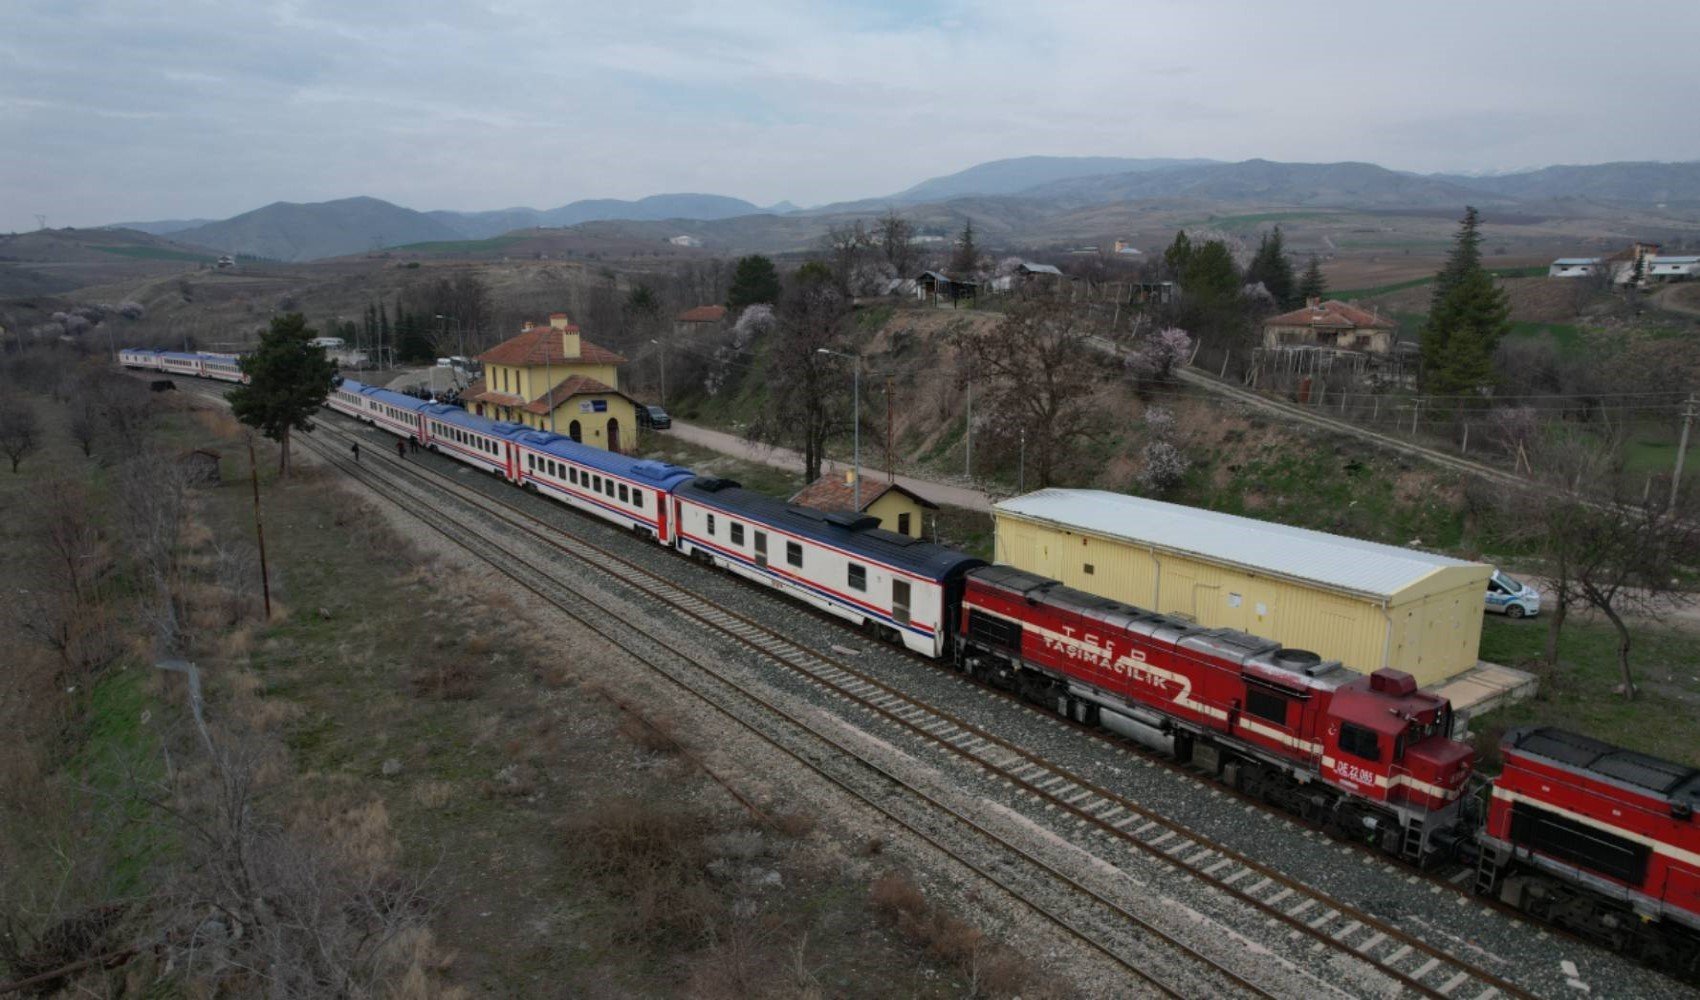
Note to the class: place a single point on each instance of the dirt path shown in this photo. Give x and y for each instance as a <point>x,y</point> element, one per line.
<point>1668,299</point>
<point>784,458</point>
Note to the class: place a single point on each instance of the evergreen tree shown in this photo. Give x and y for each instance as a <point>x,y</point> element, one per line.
<point>1465,258</point>
<point>1312,285</point>
<point>1210,274</point>
<point>1468,316</point>
<point>966,260</point>
<point>1271,267</point>
<point>754,280</point>
<point>288,380</point>
<point>1178,255</point>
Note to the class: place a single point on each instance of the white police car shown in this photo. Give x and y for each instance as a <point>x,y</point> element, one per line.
<point>1512,598</point>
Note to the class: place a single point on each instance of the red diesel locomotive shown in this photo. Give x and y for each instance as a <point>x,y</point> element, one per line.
<point>1372,756</point>
<point>1597,839</point>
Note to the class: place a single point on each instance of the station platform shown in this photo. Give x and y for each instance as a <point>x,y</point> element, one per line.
<point>1486,686</point>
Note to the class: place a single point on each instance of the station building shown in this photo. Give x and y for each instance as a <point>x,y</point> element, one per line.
<point>551,378</point>
<point>1367,604</point>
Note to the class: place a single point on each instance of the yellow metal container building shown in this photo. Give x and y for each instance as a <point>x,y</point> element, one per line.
<point>1367,604</point>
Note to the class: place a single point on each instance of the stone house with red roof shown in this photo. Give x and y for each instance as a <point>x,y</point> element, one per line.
<point>1330,324</point>
<point>551,378</point>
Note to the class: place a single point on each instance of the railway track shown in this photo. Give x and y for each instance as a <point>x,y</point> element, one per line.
<point>1394,953</point>
<point>1036,887</point>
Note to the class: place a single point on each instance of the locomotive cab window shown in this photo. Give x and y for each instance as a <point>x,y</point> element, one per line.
<point>1269,706</point>
<point>1360,742</point>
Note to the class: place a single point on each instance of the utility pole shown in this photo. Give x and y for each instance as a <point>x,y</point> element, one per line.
<point>968,430</point>
<point>890,454</point>
<point>1688,408</point>
<point>663,348</point>
<point>1021,465</point>
<point>259,527</point>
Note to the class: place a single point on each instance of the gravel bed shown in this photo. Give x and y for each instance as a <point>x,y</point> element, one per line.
<point>1524,953</point>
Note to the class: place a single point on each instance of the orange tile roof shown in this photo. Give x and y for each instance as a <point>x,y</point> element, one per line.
<point>541,345</point>
<point>703,314</point>
<point>1332,314</point>
<point>831,492</point>
<point>478,392</point>
<point>576,385</point>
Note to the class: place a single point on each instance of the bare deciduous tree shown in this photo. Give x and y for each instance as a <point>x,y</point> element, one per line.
<point>896,236</point>
<point>1603,550</point>
<point>845,247</point>
<point>62,608</point>
<point>83,421</point>
<point>808,392</point>
<point>1038,376</point>
<point>20,431</point>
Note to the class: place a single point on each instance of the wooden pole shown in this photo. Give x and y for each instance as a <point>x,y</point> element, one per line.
<point>259,527</point>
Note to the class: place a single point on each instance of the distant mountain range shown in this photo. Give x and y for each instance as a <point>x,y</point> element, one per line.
<point>1035,185</point>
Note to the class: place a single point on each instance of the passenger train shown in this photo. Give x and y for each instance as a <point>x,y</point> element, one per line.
<point>223,367</point>
<point>1589,836</point>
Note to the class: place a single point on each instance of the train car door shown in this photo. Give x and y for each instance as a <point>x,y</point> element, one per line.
<point>660,516</point>
<point>761,548</point>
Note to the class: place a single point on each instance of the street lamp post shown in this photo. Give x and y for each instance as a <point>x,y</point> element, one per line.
<point>663,347</point>
<point>857,428</point>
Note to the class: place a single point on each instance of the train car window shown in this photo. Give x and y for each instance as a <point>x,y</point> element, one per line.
<point>637,499</point>
<point>596,483</point>
<point>1266,705</point>
<point>858,577</point>
<point>737,533</point>
<point>625,496</point>
<point>711,525</point>
<point>761,548</point>
<point>794,554</point>
<point>572,474</point>
<point>1360,742</point>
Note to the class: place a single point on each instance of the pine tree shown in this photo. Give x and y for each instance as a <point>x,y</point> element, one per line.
<point>1468,316</point>
<point>1210,274</point>
<point>966,260</point>
<point>288,380</point>
<point>1465,258</point>
<point>1312,285</point>
<point>754,280</point>
<point>1271,267</point>
<point>1178,255</point>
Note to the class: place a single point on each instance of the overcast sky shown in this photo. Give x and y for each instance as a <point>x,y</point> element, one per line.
<point>126,110</point>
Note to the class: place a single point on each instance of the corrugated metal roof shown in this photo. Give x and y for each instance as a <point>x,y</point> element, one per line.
<point>1350,564</point>
<point>1573,261</point>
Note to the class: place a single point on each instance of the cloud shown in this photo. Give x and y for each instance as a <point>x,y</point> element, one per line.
<point>208,109</point>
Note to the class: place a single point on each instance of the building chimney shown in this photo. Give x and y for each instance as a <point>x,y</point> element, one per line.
<point>1315,303</point>
<point>849,477</point>
<point>559,321</point>
<point>527,326</point>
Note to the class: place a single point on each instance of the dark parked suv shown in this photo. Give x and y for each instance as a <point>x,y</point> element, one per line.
<point>653,418</point>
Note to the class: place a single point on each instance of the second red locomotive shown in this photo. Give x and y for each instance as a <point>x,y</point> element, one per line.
<point>1371,755</point>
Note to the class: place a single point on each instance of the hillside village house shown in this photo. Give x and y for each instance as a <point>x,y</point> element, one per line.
<point>700,320</point>
<point>1332,324</point>
<point>1654,266</point>
<point>898,509</point>
<point>551,378</point>
<point>1032,277</point>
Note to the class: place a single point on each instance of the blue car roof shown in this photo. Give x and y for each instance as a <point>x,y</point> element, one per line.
<point>644,470</point>
<point>855,533</point>
<point>179,354</point>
